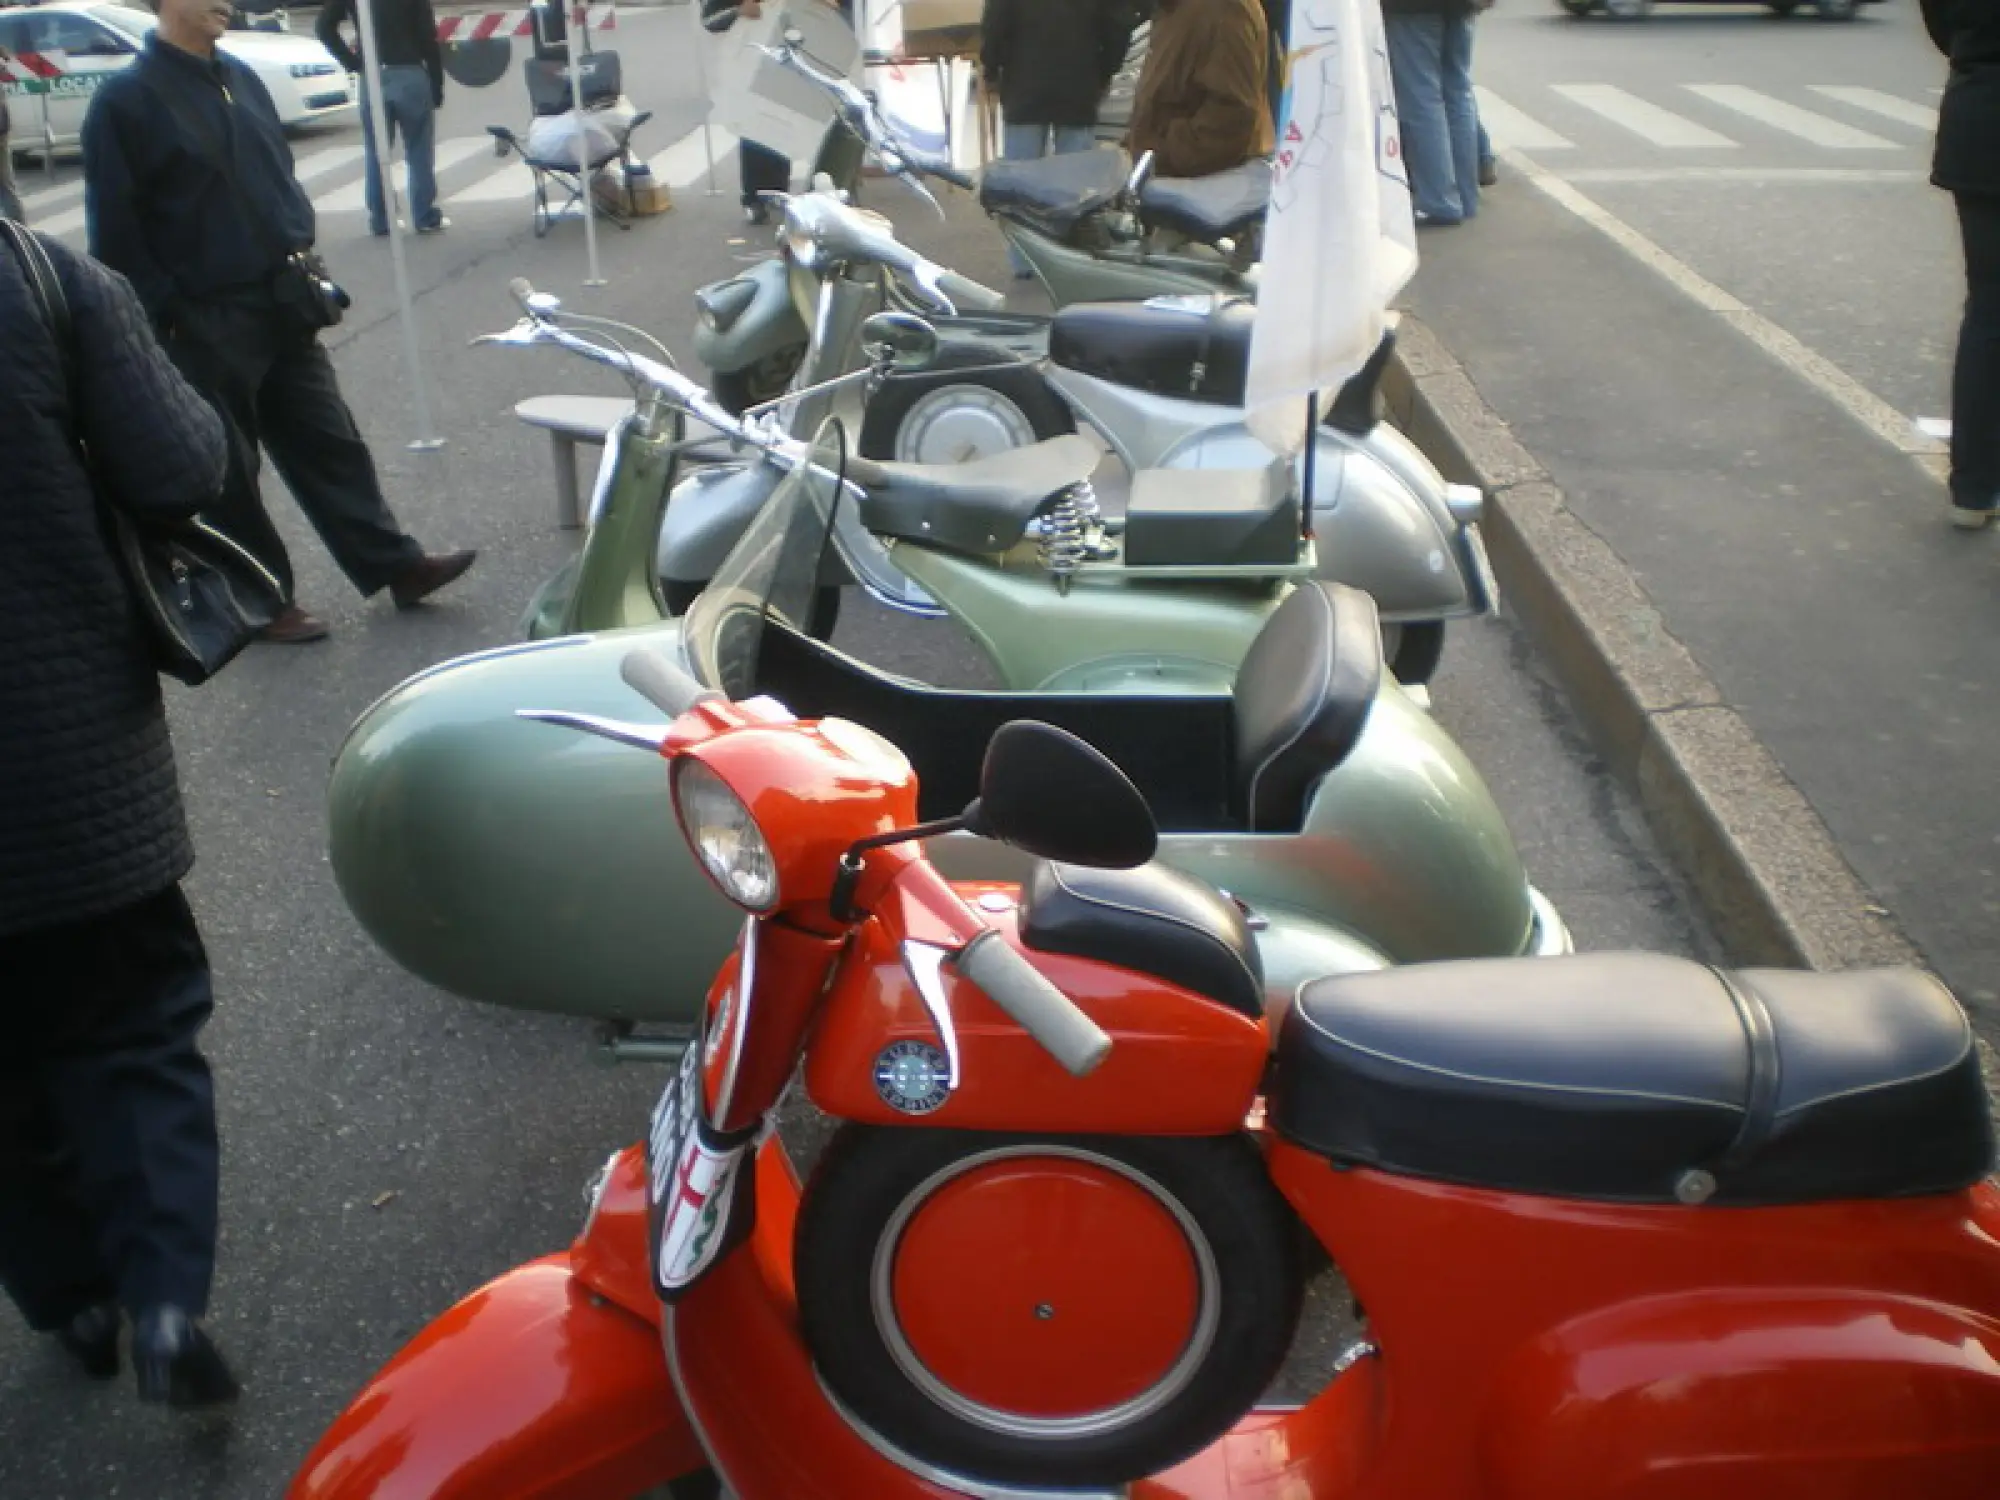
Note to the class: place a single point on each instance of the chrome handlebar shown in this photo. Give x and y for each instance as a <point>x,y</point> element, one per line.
<point>540,326</point>
<point>863,115</point>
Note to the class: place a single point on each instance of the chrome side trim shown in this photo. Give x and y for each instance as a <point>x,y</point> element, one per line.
<point>924,962</point>
<point>1550,936</point>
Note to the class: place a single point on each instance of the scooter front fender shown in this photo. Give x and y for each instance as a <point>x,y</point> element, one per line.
<point>761,320</point>
<point>532,1388</point>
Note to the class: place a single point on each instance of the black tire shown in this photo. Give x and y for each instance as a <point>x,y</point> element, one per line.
<point>679,594</point>
<point>1781,7</point>
<point>766,380</point>
<point>1418,648</point>
<point>993,369</point>
<point>1218,1183</point>
<point>1578,7</point>
<point>1837,10</point>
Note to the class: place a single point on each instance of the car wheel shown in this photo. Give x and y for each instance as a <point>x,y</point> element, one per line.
<point>1628,10</point>
<point>1578,7</point>
<point>1836,10</point>
<point>1782,7</point>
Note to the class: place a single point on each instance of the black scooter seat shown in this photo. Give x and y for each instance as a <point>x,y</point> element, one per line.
<point>981,507</point>
<point>1054,193</point>
<point>1217,207</point>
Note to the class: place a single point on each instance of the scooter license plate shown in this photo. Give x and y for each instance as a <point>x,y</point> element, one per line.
<point>697,1197</point>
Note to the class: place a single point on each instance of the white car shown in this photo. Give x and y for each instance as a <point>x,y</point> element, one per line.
<point>98,38</point>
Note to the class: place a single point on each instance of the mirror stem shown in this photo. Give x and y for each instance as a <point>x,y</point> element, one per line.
<point>852,862</point>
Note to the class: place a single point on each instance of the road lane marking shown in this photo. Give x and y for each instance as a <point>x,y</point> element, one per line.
<point>352,198</point>
<point>319,163</point>
<point>1815,129</point>
<point>1772,176</point>
<point>1508,126</point>
<point>47,197</point>
<point>1849,394</point>
<point>1875,102</point>
<point>1649,122</point>
<point>513,182</point>
<point>685,162</point>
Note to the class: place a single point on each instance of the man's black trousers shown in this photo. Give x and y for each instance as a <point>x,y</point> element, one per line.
<point>108,1157</point>
<point>1975,384</point>
<point>274,387</point>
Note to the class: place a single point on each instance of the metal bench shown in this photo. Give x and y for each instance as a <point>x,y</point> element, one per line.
<point>570,420</point>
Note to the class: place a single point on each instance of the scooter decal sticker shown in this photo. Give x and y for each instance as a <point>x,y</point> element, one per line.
<point>696,1211</point>
<point>912,1077</point>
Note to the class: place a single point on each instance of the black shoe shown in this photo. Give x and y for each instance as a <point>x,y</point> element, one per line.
<point>178,1363</point>
<point>427,575</point>
<point>91,1337</point>
<point>1488,173</point>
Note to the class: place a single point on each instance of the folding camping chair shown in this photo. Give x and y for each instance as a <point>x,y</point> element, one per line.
<point>605,125</point>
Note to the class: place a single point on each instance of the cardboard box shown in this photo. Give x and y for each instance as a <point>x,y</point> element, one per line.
<point>940,28</point>
<point>648,194</point>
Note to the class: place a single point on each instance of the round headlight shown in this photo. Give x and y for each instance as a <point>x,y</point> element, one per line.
<point>725,837</point>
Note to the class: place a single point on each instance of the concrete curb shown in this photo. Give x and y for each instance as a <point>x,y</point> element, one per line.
<point>1767,872</point>
<point>1762,862</point>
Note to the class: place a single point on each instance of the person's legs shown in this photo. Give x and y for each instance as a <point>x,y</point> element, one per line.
<point>1020,142</point>
<point>1461,109</point>
<point>410,89</point>
<point>223,351</point>
<point>1416,47</point>
<point>1975,380</point>
<point>762,170</point>
<point>1489,173</point>
<point>371,169</point>
<point>319,452</point>
<point>10,197</point>
<point>1070,139</point>
<point>49,1263</point>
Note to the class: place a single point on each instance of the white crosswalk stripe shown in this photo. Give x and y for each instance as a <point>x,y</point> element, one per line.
<point>450,152</point>
<point>1792,120</point>
<point>1510,128</point>
<point>1875,102</point>
<point>1661,127</point>
<point>49,197</point>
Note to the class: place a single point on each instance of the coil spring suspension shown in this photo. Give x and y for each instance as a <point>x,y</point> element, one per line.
<point>1066,532</point>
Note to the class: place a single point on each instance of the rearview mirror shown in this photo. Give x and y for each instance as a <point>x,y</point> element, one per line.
<point>794,37</point>
<point>1052,795</point>
<point>902,341</point>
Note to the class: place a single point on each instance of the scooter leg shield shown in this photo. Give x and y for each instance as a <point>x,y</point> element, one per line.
<point>532,1388</point>
<point>707,515</point>
<point>747,319</point>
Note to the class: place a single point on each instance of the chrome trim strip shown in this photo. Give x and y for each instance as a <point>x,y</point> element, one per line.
<point>924,963</point>
<point>1550,935</point>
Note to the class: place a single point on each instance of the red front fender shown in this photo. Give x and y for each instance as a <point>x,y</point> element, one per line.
<point>535,1387</point>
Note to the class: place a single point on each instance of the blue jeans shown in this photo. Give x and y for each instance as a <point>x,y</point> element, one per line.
<point>1430,60</point>
<point>406,101</point>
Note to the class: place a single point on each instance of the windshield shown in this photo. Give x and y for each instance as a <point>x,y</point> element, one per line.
<point>772,571</point>
<point>136,24</point>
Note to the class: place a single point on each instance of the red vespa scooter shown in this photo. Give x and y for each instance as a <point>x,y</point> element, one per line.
<point>1621,1225</point>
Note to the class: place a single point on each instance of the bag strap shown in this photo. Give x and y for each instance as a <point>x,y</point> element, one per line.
<point>216,150</point>
<point>47,290</point>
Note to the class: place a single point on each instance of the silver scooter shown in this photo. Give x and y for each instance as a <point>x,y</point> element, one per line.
<point>1392,528</point>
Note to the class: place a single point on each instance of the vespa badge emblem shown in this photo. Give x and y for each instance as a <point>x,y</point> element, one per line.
<point>912,1077</point>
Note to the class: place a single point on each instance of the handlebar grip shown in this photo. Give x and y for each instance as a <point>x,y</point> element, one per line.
<point>968,295</point>
<point>1044,1011</point>
<point>521,288</point>
<point>660,682</point>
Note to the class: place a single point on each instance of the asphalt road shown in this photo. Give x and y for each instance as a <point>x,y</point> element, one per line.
<point>1717,350</point>
<point>387,1147</point>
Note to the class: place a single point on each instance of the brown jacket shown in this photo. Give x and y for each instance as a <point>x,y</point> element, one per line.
<point>1203,105</point>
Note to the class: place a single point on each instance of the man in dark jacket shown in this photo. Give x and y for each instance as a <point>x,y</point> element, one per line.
<point>190,192</point>
<point>1050,61</point>
<point>411,81</point>
<point>1203,104</point>
<point>107,1119</point>
<point>1967,164</point>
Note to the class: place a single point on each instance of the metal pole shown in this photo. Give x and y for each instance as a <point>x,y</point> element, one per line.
<point>701,45</point>
<point>426,440</point>
<point>1312,463</point>
<point>48,132</point>
<point>580,28</point>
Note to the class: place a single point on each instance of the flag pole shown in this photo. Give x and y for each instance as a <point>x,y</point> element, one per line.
<point>377,125</point>
<point>580,22</point>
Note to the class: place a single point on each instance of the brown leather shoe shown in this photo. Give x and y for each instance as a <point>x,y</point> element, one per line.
<point>427,575</point>
<point>294,628</point>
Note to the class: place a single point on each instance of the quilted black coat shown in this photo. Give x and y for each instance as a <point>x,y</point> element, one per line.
<point>90,810</point>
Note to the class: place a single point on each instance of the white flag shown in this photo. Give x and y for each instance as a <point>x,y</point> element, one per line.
<point>1340,238</point>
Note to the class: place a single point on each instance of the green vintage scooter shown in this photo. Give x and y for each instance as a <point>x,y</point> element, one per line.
<point>519,868</point>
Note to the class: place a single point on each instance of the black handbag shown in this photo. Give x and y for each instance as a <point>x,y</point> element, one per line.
<point>201,596</point>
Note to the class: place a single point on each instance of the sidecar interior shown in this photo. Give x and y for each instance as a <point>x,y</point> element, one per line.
<point>1054,194</point>
<point>1245,762</point>
<point>982,506</point>
<point>1639,1078</point>
<point>1219,206</point>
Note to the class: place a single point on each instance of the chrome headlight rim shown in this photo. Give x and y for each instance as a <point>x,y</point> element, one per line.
<point>710,813</point>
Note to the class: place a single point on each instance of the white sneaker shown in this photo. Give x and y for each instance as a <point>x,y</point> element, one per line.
<point>1967,519</point>
<point>437,226</point>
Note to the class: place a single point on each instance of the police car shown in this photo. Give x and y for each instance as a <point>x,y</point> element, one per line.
<point>97,38</point>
